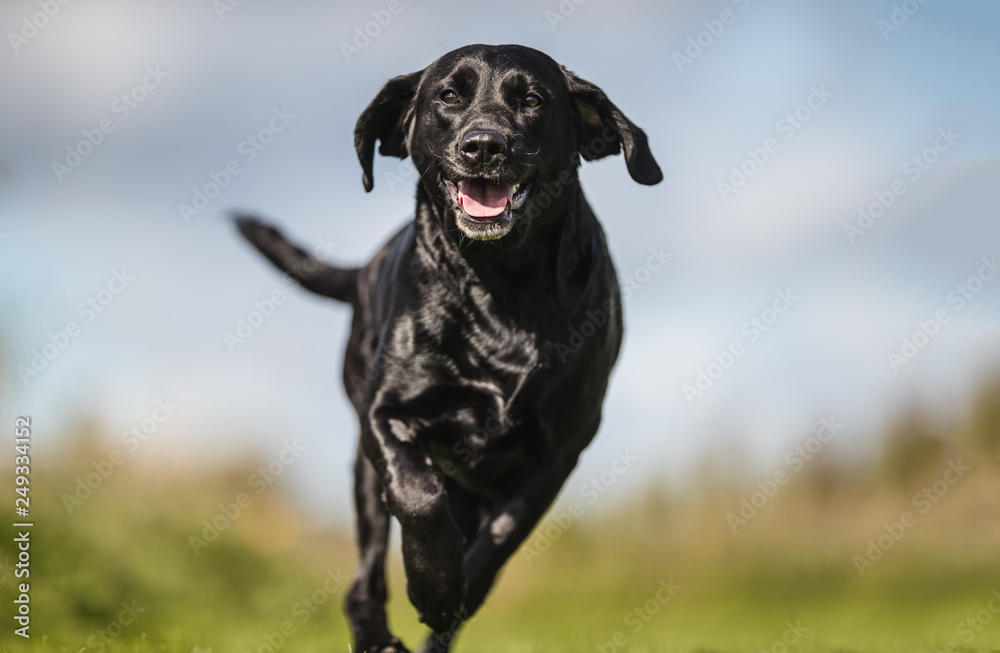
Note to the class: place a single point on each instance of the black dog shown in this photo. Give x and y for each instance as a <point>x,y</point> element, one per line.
<point>473,408</point>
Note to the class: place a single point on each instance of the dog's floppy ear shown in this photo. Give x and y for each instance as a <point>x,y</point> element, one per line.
<point>605,130</point>
<point>385,119</point>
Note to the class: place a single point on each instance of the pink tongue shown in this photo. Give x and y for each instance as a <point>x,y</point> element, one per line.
<point>483,199</point>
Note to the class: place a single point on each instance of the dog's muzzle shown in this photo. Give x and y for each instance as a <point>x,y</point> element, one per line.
<point>486,208</point>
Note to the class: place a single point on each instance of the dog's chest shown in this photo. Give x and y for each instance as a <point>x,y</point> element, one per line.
<point>485,386</point>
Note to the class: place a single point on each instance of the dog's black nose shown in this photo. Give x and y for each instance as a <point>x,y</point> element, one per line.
<point>483,145</point>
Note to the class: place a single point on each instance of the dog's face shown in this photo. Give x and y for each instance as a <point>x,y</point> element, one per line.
<point>487,127</point>
<point>491,129</point>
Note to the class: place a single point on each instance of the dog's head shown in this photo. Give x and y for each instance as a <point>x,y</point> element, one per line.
<point>494,129</point>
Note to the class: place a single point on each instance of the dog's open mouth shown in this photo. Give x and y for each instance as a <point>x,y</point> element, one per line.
<point>486,207</point>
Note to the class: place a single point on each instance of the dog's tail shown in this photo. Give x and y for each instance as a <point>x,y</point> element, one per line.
<point>310,273</point>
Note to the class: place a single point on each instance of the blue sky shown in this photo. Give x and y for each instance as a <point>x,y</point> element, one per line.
<point>863,100</point>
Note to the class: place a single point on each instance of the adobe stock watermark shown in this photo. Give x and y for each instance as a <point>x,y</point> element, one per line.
<point>923,502</point>
<point>6,570</point>
<point>131,440</point>
<point>248,325</point>
<point>706,38</point>
<point>795,461</point>
<point>899,16</point>
<point>223,7</point>
<point>363,35</point>
<point>914,169</point>
<point>632,282</point>
<point>595,319</point>
<point>106,636</point>
<point>122,108</point>
<point>563,11</point>
<point>247,150</point>
<point>958,297</point>
<point>303,610</point>
<point>753,329</point>
<point>787,127</point>
<point>558,522</point>
<point>87,310</point>
<point>971,626</point>
<point>33,24</point>
<point>263,309</point>
<point>793,633</point>
<point>637,618</point>
<point>403,172</point>
<point>258,481</point>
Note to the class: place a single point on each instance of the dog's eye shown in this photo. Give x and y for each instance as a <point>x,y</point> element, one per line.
<point>449,97</point>
<point>532,100</point>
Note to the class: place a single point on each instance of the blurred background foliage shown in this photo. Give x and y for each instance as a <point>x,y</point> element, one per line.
<point>792,562</point>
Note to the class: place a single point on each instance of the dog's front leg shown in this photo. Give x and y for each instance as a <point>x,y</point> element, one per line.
<point>416,496</point>
<point>509,524</point>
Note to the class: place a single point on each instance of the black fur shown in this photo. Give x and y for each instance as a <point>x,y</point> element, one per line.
<point>473,407</point>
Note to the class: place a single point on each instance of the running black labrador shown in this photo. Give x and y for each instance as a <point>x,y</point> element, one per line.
<point>474,406</point>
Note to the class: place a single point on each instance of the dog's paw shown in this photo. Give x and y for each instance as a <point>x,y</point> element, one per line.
<point>438,642</point>
<point>392,645</point>
<point>442,609</point>
<point>438,592</point>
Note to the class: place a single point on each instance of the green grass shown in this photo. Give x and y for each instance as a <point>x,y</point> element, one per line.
<point>737,592</point>
<point>791,564</point>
